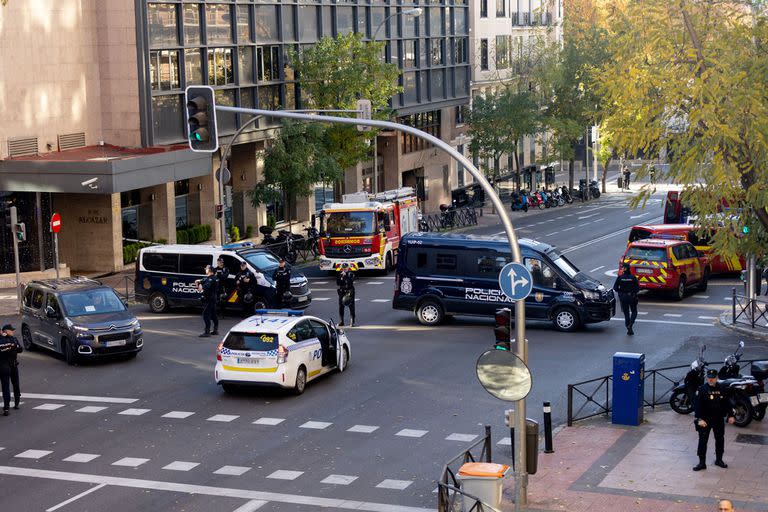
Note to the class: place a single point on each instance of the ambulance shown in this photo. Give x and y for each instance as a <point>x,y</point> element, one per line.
<point>366,229</point>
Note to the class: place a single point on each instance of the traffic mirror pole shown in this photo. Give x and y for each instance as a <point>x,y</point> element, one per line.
<point>521,477</point>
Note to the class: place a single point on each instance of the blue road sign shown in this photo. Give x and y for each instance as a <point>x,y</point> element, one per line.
<point>515,281</point>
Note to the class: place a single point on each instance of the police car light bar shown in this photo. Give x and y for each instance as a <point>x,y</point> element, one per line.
<point>663,236</point>
<point>282,312</point>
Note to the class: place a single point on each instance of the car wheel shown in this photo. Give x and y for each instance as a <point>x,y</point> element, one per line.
<point>565,319</point>
<point>704,281</point>
<point>26,339</point>
<point>70,353</point>
<point>229,388</point>
<point>430,312</point>
<point>680,291</point>
<point>301,381</point>
<point>158,303</point>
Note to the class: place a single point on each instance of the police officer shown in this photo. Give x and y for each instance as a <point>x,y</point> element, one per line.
<point>221,273</point>
<point>245,281</point>
<point>208,286</point>
<point>627,286</point>
<point>627,175</point>
<point>9,367</point>
<point>710,407</point>
<point>282,278</point>
<point>345,287</point>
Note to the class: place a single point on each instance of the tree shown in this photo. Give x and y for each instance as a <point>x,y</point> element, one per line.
<point>497,123</point>
<point>334,74</point>
<point>299,158</point>
<point>687,78</point>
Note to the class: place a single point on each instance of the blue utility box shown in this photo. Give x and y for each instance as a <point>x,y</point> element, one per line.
<point>628,388</point>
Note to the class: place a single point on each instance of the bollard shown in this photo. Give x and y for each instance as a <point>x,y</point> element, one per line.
<point>548,428</point>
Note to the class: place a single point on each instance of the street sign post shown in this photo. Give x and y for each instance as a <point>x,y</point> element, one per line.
<point>515,281</point>
<point>55,228</point>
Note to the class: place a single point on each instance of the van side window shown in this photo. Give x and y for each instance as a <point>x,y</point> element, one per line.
<point>53,302</point>
<point>28,297</point>
<point>491,263</point>
<point>446,261</point>
<point>679,252</point>
<point>160,262</point>
<point>543,275</point>
<point>232,263</point>
<point>37,299</point>
<point>421,260</point>
<point>194,263</point>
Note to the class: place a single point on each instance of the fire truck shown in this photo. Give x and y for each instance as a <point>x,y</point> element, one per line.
<point>365,229</point>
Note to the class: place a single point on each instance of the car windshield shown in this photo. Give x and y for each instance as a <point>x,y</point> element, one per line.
<point>91,302</point>
<point>646,253</point>
<point>252,341</point>
<point>262,261</point>
<point>349,223</point>
<point>566,266</point>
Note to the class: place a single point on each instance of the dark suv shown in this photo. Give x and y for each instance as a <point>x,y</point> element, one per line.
<point>79,318</point>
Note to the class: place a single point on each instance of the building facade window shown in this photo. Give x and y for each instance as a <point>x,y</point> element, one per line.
<point>437,53</point>
<point>168,118</point>
<point>459,167</point>
<point>191,24</point>
<point>218,24</point>
<point>426,121</point>
<point>266,23</point>
<point>409,54</point>
<point>502,52</point>
<point>193,66</point>
<point>501,8</point>
<point>220,66</point>
<point>162,19</point>
<point>484,54</point>
<point>460,50</point>
<point>245,64</point>
<point>268,63</point>
<point>244,34</point>
<point>308,27</point>
<point>483,8</point>
<point>164,70</point>
<point>345,20</point>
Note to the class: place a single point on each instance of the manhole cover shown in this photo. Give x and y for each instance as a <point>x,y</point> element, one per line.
<point>752,439</point>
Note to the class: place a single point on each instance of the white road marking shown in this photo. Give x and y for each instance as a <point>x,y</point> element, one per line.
<point>373,282</point>
<point>582,217</point>
<point>33,454</point>
<point>552,233</point>
<point>363,429</point>
<point>130,462</point>
<point>320,298</point>
<point>269,421</point>
<point>568,229</point>
<point>90,409</point>
<point>134,412</point>
<point>75,498</point>
<point>223,418</point>
<point>180,465</point>
<point>730,299</point>
<point>316,425</point>
<point>282,474</point>
<point>505,441</point>
<point>671,322</point>
<point>81,457</point>
<point>673,315</point>
<point>412,433</point>
<point>207,490</point>
<point>700,296</point>
<point>49,407</point>
<point>232,470</point>
<point>179,415</point>
<point>338,479</point>
<point>164,317</point>
<point>707,318</point>
<point>381,300</point>
<point>642,312</point>
<point>641,215</point>
<point>81,398</point>
<point>598,268</point>
<point>321,282</point>
<point>394,484</point>
<point>251,506</point>
<point>461,437</point>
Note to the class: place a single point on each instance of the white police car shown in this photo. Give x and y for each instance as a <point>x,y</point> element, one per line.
<point>282,348</point>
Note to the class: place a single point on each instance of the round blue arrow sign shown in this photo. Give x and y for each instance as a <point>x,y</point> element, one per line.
<point>515,281</point>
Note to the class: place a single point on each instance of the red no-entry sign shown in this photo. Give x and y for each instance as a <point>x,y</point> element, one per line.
<point>55,223</point>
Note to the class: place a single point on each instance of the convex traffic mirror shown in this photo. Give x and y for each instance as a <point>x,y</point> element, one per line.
<point>504,375</point>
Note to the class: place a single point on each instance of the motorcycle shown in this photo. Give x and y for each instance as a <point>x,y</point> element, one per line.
<point>566,194</point>
<point>545,198</point>
<point>744,391</point>
<point>534,200</point>
<point>683,394</point>
<point>519,201</point>
<point>558,197</point>
<point>594,189</point>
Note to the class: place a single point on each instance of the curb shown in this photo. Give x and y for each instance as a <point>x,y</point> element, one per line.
<point>725,321</point>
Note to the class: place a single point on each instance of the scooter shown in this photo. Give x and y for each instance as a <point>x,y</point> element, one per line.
<point>534,200</point>
<point>683,394</point>
<point>594,189</point>
<point>744,391</point>
<point>566,194</point>
<point>519,201</point>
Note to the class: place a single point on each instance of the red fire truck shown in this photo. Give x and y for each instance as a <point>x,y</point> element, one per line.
<point>365,229</point>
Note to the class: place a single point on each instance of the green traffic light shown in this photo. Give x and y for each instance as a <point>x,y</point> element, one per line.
<point>745,230</point>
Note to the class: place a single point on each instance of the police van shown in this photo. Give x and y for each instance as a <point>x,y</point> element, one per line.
<point>166,275</point>
<point>451,274</point>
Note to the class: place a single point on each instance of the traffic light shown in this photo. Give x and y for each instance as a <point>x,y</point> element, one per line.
<point>21,232</point>
<point>201,118</point>
<point>503,328</point>
<point>219,211</point>
<point>745,229</point>
<point>509,419</point>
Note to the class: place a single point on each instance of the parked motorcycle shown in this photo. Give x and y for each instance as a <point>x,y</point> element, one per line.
<point>519,201</point>
<point>558,196</point>
<point>683,394</point>
<point>534,201</point>
<point>566,194</point>
<point>594,189</point>
<point>744,391</point>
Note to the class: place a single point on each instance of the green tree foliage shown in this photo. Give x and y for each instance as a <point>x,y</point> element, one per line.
<point>334,74</point>
<point>298,159</point>
<point>688,77</point>
<point>497,123</point>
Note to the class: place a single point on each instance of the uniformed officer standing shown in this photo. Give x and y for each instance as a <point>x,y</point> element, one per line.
<point>244,282</point>
<point>627,286</point>
<point>9,367</point>
<point>282,278</point>
<point>208,287</point>
<point>345,287</point>
<point>711,406</point>
<point>221,272</point>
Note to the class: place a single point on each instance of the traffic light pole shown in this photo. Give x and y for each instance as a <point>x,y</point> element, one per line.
<point>521,477</point>
<point>14,221</point>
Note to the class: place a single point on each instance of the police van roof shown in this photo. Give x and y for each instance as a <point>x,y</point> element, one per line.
<point>200,249</point>
<point>462,240</point>
<point>272,321</point>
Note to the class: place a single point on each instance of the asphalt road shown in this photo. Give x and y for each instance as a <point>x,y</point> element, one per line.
<point>156,433</point>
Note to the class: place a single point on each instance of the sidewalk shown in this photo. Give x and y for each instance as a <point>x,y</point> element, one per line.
<point>601,467</point>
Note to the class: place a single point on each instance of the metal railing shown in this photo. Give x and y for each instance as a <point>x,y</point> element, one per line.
<point>752,312</point>
<point>450,496</point>
<point>596,393</point>
<point>129,286</point>
<point>450,219</point>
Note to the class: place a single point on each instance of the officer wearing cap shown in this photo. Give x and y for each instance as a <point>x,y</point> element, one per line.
<point>627,286</point>
<point>711,406</point>
<point>9,367</point>
<point>345,287</point>
<point>282,278</point>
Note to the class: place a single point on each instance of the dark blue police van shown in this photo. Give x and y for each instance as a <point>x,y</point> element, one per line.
<point>166,276</point>
<point>452,274</point>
